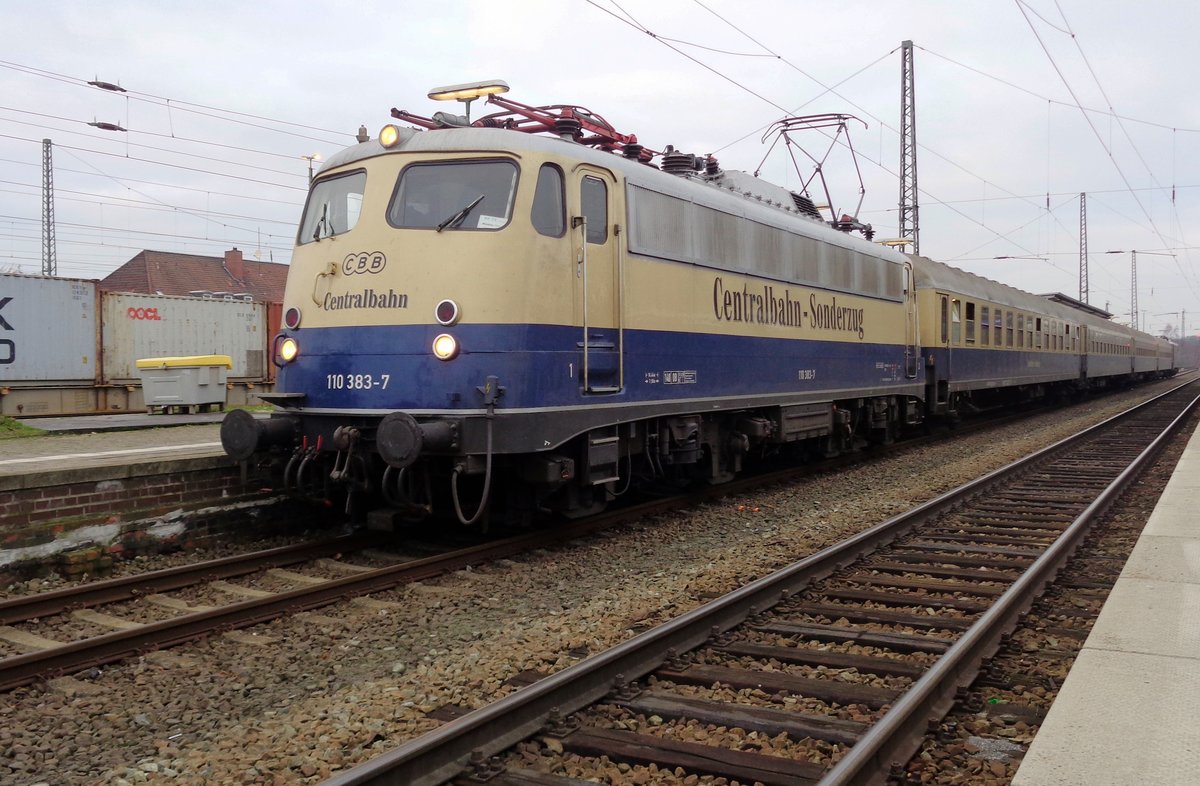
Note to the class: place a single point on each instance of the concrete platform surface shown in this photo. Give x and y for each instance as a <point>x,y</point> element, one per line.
<point>1129,711</point>
<point>84,424</point>
<point>111,440</point>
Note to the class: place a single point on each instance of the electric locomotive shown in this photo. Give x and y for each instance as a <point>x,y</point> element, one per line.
<point>474,308</point>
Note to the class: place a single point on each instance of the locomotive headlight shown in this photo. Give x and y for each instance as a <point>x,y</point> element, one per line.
<point>389,135</point>
<point>288,349</point>
<point>447,313</point>
<point>445,347</point>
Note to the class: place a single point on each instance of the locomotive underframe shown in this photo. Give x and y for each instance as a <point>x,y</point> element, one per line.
<point>606,450</point>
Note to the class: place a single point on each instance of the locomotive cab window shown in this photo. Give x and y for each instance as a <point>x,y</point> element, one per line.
<point>458,195</point>
<point>333,207</point>
<point>549,215</point>
<point>593,199</point>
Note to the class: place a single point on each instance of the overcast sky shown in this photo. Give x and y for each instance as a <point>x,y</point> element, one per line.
<point>226,98</point>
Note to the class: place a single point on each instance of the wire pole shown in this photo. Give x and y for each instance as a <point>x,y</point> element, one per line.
<point>1083,251</point>
<point>49,252</point>
<point>1133,288</point>
<point>910,225</point>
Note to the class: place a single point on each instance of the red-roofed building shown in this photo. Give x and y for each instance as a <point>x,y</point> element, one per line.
<point>168,273</point>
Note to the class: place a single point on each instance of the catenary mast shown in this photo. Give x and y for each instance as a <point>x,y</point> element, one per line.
<point>910,225</point>
<point>49,254</point>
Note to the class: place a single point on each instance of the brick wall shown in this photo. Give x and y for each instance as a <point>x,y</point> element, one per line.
<point>24,512</point>
<point>47,517</point>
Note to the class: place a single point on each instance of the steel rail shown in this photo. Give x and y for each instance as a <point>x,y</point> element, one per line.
<point>108,648</point>
<point>898,734</point>
<point>99,650</point>
<point>46,604</point>
<point>445,752</point>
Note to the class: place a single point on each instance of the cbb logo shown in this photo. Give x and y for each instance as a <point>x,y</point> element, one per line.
<point>364,262</point>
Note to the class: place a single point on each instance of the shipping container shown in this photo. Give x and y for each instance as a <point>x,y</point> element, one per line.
<point>274,324</point>
<point>49,334</point>
<point>149,326</point>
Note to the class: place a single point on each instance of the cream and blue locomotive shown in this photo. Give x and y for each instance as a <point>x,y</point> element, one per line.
<point>476,311</point>
<point>481,308</point>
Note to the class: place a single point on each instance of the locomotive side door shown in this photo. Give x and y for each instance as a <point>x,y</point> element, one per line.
<point>597,239</point>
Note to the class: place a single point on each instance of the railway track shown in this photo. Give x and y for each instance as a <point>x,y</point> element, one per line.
<point>850,653</point>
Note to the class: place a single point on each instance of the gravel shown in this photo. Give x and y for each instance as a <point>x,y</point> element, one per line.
<point>293,701</point>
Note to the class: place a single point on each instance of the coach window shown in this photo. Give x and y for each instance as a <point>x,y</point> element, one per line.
<point>984,325</point>
<point>1038,331</point>
<point>1020,330</point>
<point>1008,321</point>
<point>956,321</point>
<point>945,319</point>
<point>594,199</point>
<point>970,322</point>
<point>549,216</point>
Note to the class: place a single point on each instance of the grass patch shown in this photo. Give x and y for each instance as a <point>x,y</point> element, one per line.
<point>13,429</point>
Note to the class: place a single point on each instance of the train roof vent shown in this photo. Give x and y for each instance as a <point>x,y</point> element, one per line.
<point>805,205</point>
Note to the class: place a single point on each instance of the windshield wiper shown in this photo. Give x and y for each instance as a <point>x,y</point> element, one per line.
<point>322,221</point>
<point>460,215</point>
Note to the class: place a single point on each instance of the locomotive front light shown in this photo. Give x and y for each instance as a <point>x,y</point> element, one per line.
<point>291,318</point>
<point>445,347</point>
<point>288,349</point>
<point>389,135</point>
<point>447,313</point>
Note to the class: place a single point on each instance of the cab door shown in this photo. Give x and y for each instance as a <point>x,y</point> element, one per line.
<point>599,272</point>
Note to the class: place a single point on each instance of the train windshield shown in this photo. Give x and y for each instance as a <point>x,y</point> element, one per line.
<point>458,195</point>
<point>333,207</point>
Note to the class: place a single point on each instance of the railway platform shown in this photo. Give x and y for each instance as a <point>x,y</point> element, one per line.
<point>87,441</point>
<point>119,482</point>
<point>1127,711</point>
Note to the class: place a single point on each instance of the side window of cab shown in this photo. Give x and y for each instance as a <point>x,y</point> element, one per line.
<point>549,215</point>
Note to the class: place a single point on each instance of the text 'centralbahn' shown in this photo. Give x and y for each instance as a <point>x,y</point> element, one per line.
<point>765,307</point>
